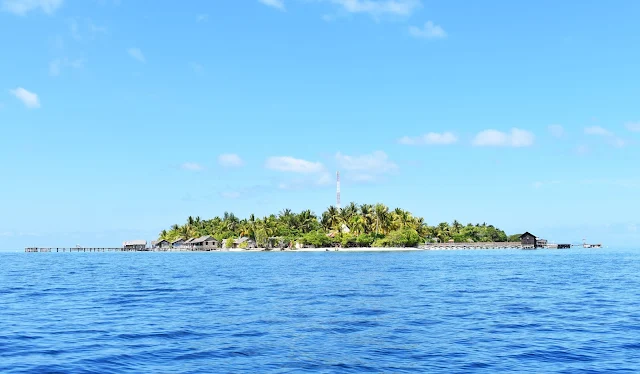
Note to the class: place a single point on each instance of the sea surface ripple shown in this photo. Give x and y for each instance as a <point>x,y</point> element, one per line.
<point>547,311</point>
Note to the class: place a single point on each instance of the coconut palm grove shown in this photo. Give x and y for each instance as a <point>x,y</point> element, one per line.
<point>366,225</point>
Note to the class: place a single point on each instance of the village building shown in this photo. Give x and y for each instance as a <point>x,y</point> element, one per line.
<point>204,243</point>
<point>528,240</point>
<point>178,243</point>
<point>135,245</point>
<point>161,244</point>
<point>187,243</point>
<point>251,244</point>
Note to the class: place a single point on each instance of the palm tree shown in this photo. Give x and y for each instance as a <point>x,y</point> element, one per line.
<point>367,213</point>
<point>356,224</point>
<point>334,217</point>
<point>381,213</point>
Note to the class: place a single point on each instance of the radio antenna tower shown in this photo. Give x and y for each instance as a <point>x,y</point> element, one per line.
<point>338,190</point>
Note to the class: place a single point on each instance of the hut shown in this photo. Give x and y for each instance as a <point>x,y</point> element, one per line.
<point>187,243</point>
<point>135,245</point>
<point>528,240</point>
<point>161,244</point>
<point>250,243</point>
<point>178,243</point>
<point>204,243</point>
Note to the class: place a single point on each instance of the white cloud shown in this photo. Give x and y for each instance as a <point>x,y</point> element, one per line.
<point>278,4</point>
<point>381,7</point>
<point>202,18</point>
<point>294,165</point>
<point>597,130</point>
<point>375,163</point>
<point>495,138</point>
<point>556,130</point>
<point>634,127</point>
<point>136,54</point>
<point>432,138</point>
<point>56,66</point>
<point>192,166</point>
<point>428,31</point>
<point>230,160</point>
<point>29,99</point>
<point>22,7</point>
<point>608,135</point>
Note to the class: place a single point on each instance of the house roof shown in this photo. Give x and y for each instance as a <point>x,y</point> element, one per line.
<point>203,239</point>
<point>177,240</point>
<point>188,241</point>
<point>240,240</point>
<point>135,242</point>
<point>156,242</point>
<point>528,233</point>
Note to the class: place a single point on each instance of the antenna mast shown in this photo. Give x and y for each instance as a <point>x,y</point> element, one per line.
<point>338,190</point>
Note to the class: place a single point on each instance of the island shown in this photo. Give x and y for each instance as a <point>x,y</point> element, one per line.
<point>364,226</point>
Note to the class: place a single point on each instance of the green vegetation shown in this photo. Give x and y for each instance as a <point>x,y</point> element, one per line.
<point>354,225</point>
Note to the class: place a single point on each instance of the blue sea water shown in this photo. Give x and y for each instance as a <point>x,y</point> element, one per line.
<point>546,311</point>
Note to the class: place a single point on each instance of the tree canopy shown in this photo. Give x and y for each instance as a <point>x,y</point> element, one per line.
<point>362,225</point>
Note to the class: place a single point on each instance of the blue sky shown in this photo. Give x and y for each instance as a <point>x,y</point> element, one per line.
<point>120,118</point>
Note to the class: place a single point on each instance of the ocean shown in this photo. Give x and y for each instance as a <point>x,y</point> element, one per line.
<point>545,311</point>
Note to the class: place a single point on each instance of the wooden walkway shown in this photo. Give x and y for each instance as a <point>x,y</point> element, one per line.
<point>489,245</point>
<point>81,249</point>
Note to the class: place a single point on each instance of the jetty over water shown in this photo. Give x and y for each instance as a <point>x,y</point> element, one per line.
<point>82,249</point>
<point>487,245</point>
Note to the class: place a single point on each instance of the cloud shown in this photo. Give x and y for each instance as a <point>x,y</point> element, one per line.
<point>633,126</point>
<point>556,130</point>
<point>230,160</point>
<point>608,135</point>
<point>57,65</point>
<point>432,138</point>
<point>375,163</point>
<point>494,138</point>
<point>428,31</point>
<point>378,8</point>
<point>192,166</point>
<point>294,165</point>
<point>136,54</point>
<point>22,7</point>
<point>88,31</point>
<point>29,99</point>
<point>278,4</point>
<point>597,130</point>
<point>202,18</point>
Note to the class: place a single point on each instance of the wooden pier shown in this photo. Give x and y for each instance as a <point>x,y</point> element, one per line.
<point>487,245</point>
<point>80,249</point>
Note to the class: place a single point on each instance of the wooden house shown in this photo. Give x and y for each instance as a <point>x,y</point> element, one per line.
<point>135,245</point>
<point>528,240</point>
<point>250,242</point>
<point>204,243</point>
<point>161,244</point>
<point>178,243</point>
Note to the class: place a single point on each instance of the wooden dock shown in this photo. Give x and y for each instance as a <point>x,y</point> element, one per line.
<point>80,249</point>
<point>487,245</point>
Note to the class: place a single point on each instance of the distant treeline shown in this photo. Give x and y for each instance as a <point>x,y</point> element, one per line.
<point>362,225</point>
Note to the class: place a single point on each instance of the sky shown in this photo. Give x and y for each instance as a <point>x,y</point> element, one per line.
<point>120,118</point>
